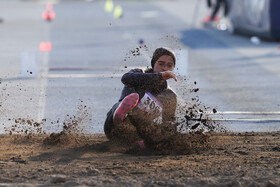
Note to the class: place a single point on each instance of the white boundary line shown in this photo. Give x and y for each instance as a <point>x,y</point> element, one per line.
<point>268,120</point>
<point>89,75</point>
<point>243,112</point>
<point>250,113</point>
<point>43,88</point>
<point>81,75</point>
<point>249,120</point>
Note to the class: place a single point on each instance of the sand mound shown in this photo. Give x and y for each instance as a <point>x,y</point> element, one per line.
<point>165,139</point>
<point>62,138</point>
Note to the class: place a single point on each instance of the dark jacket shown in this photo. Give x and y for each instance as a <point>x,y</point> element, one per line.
<point>137,81</point>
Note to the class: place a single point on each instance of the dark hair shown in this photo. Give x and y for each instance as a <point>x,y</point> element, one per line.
<point>160,52</point>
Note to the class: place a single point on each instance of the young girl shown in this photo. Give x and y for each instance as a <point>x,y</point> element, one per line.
<point>145,99</point>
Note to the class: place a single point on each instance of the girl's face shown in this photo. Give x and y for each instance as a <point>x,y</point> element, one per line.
<point>164,63</point>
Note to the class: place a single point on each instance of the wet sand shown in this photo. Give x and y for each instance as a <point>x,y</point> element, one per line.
<point>233,159</point>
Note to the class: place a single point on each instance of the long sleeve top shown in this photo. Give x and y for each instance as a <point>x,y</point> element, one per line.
<point>139,81</point>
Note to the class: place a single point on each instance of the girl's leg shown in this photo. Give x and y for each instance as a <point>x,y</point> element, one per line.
<point>108,125</point>
<point>117,127</point>
<point>226,8</point>
<point>125,134</point>
<point>209,4</point>
<point>216,9</point>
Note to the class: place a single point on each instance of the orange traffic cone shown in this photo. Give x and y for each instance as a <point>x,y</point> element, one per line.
<point>45,46</point>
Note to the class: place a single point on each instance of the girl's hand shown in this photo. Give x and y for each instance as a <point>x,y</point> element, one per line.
<point>168,75</point>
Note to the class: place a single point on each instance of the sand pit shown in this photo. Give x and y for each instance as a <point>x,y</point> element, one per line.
<point>235,159</point>
<point>171,158</point>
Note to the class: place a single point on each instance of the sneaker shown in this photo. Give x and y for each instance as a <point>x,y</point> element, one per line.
<point>206,19</point>
<point>127,104</point>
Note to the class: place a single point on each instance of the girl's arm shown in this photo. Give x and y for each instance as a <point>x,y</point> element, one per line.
<point>136,77</point>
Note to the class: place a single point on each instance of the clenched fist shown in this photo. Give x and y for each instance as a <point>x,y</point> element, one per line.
<point>168,75</point>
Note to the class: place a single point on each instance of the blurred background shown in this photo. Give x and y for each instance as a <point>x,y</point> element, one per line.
<point>62,60</point>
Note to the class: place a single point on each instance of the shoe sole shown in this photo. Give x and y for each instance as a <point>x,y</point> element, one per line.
<point>127,104</point>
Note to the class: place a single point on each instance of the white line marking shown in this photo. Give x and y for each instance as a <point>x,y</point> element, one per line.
<point>43,88</point>
<point>245,112</point>
<point>249,120</point>
<point>81,75</point>
<point>250,116</point>
<point>87,75</point>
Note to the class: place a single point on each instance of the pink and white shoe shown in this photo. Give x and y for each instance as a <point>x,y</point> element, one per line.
<point>127,104</point>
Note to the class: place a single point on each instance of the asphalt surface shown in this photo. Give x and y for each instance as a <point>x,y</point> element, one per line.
<point>91,49</point>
